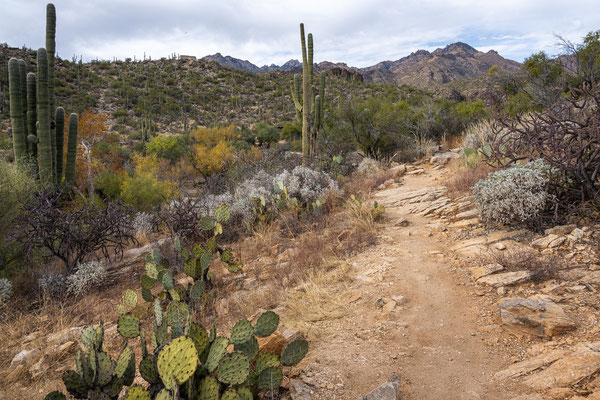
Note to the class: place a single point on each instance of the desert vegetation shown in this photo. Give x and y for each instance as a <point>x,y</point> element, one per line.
<point>162,194</point>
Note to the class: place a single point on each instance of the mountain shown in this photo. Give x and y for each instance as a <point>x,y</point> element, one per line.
<point>422,68</point>
<point>455,62</point>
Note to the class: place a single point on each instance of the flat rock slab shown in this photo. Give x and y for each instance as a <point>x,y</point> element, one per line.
<point>549,242</point>
<point>505,278</point>
<point>583,362</point>
<point>480,272</point>
<point>531,364</point>
<point>536,315</point>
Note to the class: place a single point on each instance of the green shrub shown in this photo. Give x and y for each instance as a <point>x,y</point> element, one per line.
<point>168,147</point>
<point>110,184</point>
<point>291,131</point>
<point>144,192</point>
<point>266,133</point>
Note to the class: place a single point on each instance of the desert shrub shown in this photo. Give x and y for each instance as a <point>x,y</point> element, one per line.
<point>266,133</point>
<point>145,192</point>
<point>71,232</point>
<point>516,194</point>
<point>363,215</point>
<point>368,166</point>
<point>168,147</point>
<point>543,267</point>
<point>87,275</point>
<point>52,285</point>
<point>291,131</point>
<point>143,223</point>
<point>306,185</point>
<point>478,134</point>
<point>110,184</point>
<point>464,177</point>
<point>5,290</point>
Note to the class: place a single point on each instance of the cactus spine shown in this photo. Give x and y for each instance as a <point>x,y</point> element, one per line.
<point>60,141</point>
<point>45,141</point>
<point>311,107</point>
<point>16,109</point>
<point>71,149</point>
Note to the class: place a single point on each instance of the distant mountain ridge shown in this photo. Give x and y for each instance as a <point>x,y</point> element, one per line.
<point>421,68</point>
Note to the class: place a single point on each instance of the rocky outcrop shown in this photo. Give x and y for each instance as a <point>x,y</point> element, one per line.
<point>388,391</point>
<point>537,315</point>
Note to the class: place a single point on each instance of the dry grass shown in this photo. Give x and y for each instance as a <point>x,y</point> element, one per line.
<point>321,296</point>
<point>464,177</point>
<point>526,259</point>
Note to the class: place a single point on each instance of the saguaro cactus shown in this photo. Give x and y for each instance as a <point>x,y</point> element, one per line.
<point>32,138</point>
<point>45,141</point>
<point>50,50</point>
<point>310,108</point>
<point>60,140</point>
<point>71,148</point>
<point>17,103</point>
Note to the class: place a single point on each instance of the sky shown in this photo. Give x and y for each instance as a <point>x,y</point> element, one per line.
<point>358,32</point>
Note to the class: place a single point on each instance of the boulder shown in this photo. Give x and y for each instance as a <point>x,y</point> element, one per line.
<point>560,230</point>
<point>443,158</point>
<point>537,315</point>
<point>25,357</point>
<point>505,278</point>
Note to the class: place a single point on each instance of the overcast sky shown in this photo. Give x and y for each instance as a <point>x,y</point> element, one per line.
<point>358,32</point>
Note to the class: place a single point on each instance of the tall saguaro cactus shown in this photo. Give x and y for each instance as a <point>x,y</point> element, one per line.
<point>71,148</point>
<point>17,102</point>
<point>45,140</point>
<point>308,107</point>
<point>39,128</point>
<point>32,116</point>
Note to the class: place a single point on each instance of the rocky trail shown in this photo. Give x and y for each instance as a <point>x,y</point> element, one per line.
<point>415,314</point>
<point>408,314</point>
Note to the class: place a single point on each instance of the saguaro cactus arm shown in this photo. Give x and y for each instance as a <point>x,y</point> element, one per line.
<point>16,109</point>
<point>72,148</point>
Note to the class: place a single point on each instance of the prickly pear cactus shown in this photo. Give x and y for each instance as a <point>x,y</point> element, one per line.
<point>294,352</point>
<point>217,351</point>
<point>241,332</point>
<point>266,360</point>
<point>177,361</point>
<point>137,393</point>
<point>130,298</point>
<point>56,395</point>
<point>128,326</point>
<point>266,324</point>
<point>209,389</point>
<point>270,378</point>
<point>233,369</point>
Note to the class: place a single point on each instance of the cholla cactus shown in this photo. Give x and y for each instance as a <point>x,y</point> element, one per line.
<point>52,285</point>
<point>5,290</point>
<point>87,275</point>
<point>516,194</point>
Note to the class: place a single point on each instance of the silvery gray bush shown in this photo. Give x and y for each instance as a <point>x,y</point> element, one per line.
<point>516,194</point>
<point>306,185</point>
<point>5,290</point>
<point>142,223</point>
<point>52,285</point>
<point>88,275</point>
<point>368,166</point>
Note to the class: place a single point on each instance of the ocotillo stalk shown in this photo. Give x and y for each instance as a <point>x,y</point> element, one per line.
<point>45,141</point>
<point>60,141</point>
<point>305,99</point>
<point>71,149</point>
<point>32,138</point>
<point>16,110</point>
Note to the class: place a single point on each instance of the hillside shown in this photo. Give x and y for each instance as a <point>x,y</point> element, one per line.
<point>176,94</point>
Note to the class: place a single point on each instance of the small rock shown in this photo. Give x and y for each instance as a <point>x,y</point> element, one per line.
<point>389,306</point>
<point>480,272</point>
<point>25,357</point>
<point>576,235</point>
<point>299,390</point>
<point>501,290</point>
<point>551,241</point>
<point>400,299</point>
<point>388,391</point>
<point>402,222</point>
<point>380,302</point>
<point>443,158</point>
<point>470,214</point>
<point>500,246</point>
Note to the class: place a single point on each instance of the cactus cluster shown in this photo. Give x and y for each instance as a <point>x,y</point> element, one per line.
<point>38,128</point>
<point>309,108</point>
<point>97,376</point>
<point>197,264</point>
<point>182,359</point>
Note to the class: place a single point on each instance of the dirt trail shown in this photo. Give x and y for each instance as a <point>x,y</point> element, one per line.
<point>432,341</point>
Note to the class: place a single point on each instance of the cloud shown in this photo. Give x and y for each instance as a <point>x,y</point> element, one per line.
<point>357,32</point>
